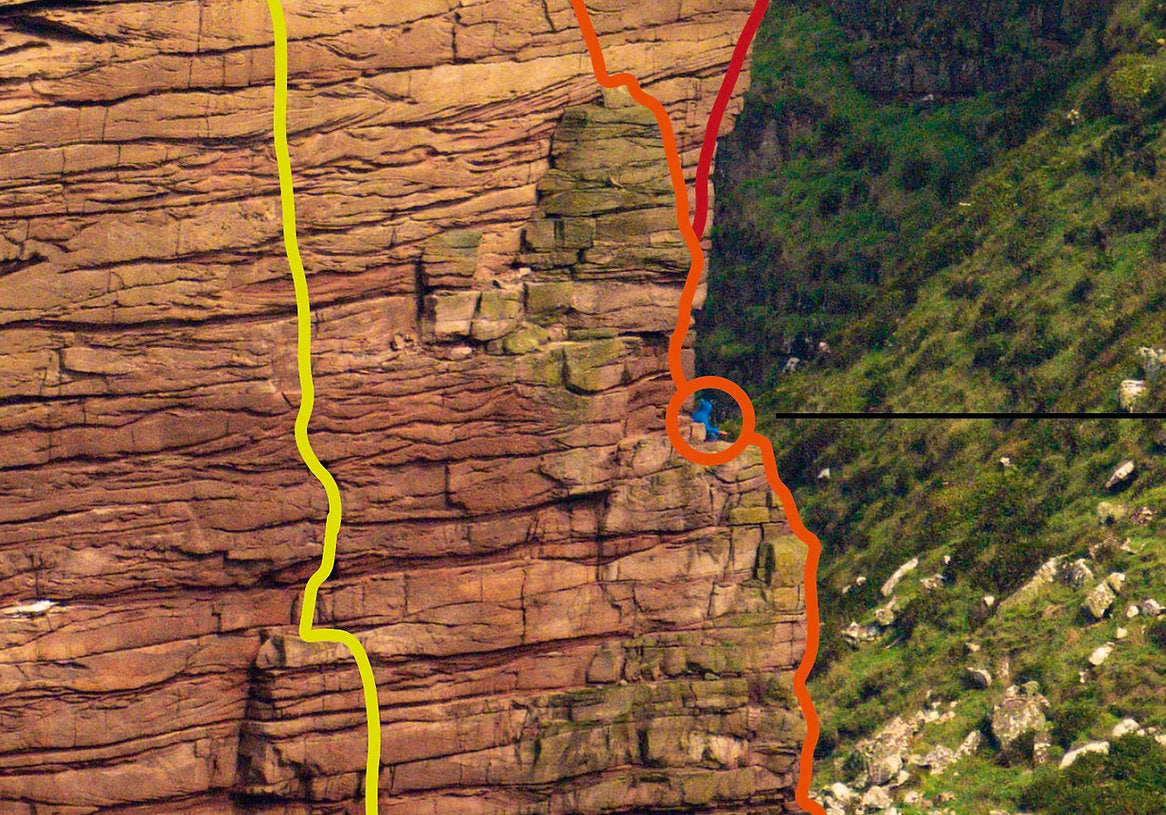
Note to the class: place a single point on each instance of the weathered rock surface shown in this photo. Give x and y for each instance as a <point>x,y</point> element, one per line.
<point>1153,362</point>
<point>1021,711</point>
<point>1046,575</point>
<point>855,635</point>
<point>1121,476</point>
<point>939,759</point>
<point>1099,600</point>
<point>884,752</point>
<point>877,798</point>
<point>1125,727</point>
<point>1078,573</point>
<point>1100,654</point>
<point>563,615</point>
<point>980,677</point>
<point>1129,394</point>
<point>1071,756</point>
<point>892,582</point>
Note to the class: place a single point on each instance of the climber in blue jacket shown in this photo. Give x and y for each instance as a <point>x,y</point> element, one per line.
<point>704,415</point>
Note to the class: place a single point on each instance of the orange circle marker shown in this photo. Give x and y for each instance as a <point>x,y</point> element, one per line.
<point>748,420</point>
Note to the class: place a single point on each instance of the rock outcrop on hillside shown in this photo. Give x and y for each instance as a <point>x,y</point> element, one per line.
<point>563,615</point>
<point>911,48</point>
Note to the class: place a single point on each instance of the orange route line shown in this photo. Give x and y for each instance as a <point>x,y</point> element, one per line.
<point>686,388</point>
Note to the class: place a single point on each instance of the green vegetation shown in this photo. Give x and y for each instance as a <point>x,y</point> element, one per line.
<point>999,250</point>
<point>1130,780</point>
<point>823,233</point>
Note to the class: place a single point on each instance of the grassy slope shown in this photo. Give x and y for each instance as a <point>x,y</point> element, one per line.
<point>1031,294</point>
<point>808,244</point>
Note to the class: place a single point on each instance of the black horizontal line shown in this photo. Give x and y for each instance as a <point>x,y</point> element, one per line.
<point>966,415</point>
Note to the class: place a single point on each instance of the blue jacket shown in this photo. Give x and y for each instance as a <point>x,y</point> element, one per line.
<point>703,415</point>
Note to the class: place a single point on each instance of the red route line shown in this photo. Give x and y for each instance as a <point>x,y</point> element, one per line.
<point>685,387</point>
<point>700,216</point>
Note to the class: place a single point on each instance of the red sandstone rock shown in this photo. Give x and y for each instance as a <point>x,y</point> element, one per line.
<point>563,615</point>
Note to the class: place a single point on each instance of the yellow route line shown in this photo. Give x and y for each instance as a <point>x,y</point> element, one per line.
<point>304,415</point>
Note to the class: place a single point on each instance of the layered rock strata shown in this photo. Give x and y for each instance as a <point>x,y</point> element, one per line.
<point>563,615</point>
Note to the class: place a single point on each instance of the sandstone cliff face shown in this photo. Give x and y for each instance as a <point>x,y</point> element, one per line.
<point>563,615</point>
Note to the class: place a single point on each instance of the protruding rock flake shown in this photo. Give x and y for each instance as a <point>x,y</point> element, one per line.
<point>971,744</point>
<point>1071,756</point>
<point>1121,476</point>
<point>889,586</point>
<point>34,608</point>
<point>1125,727</point>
